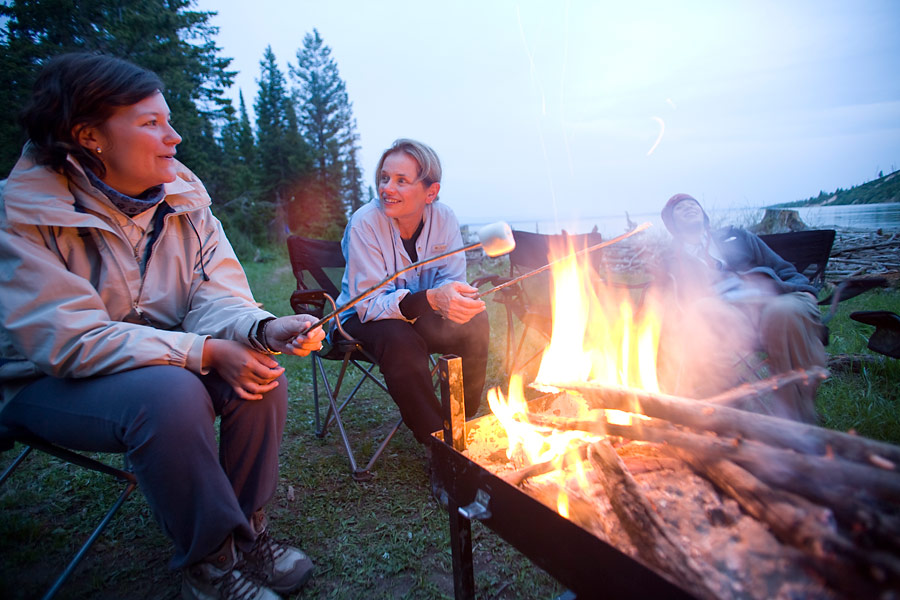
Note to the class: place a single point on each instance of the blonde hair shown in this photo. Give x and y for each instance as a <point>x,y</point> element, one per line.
<point>427,159</point>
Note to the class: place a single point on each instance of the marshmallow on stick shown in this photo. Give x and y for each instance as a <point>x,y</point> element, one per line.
<point>496,239</point>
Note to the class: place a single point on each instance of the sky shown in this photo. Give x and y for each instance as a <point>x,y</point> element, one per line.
<point>557,109</point>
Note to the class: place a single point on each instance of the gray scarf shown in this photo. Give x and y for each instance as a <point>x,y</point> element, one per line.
<point>126,204</point>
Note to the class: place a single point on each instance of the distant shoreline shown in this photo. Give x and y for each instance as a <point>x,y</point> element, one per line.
<point>849,217</point>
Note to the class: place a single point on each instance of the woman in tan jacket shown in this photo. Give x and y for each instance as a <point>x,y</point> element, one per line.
<point>127,324</point>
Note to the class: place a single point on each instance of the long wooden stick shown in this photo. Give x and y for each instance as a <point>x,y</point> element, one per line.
<point>354,301</point>
<point>549,265</point>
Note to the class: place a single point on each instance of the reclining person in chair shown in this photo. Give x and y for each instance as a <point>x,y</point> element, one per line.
<point>730,294</point>
<point>427,310</point>
<point>127,324</point>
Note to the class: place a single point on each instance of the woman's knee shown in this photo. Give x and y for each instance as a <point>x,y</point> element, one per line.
<point>787,311</point>
<point>175,403</point>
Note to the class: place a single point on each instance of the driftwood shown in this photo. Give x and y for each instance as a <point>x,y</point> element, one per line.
<point>871,252</point>
<point>888,244</point>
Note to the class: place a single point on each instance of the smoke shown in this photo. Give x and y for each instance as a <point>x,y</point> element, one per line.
<point>710,341</point>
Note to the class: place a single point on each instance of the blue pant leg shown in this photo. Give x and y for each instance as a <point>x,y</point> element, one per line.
<point>163,419</point>
<point>250,436</point>
<point>402,357</point>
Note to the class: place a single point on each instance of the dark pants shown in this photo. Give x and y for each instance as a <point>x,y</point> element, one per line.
<point>163,419</point>
<point>402,349</point>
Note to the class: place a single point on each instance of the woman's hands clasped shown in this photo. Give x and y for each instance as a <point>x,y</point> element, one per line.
<point>251,373</point>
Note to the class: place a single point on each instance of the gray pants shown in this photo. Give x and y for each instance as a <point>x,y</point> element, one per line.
<point>163,419</point>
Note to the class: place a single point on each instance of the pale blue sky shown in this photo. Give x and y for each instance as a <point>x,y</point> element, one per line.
<point>544,109</point>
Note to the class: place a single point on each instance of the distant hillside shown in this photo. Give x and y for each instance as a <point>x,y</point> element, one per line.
<point>883,189</point>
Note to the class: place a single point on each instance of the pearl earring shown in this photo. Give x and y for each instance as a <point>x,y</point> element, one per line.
<point>99,151</point>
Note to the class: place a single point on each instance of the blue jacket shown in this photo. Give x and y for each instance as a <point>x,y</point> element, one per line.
<point>374,250</point>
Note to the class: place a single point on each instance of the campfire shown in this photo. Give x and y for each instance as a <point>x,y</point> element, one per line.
<point>722,502</point>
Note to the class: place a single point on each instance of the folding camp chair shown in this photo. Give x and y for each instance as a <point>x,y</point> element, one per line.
<point>318,266</point>
<point>807,250</point>
<point>528,301</point>
<point>8,440</point>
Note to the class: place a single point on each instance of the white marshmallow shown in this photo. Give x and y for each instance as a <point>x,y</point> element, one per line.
<point>497,239</point>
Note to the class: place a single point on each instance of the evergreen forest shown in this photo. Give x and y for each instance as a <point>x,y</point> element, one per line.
<point>293,170</point>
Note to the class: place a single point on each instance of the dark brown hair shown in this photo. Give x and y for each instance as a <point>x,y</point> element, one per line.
<point>80,90</point>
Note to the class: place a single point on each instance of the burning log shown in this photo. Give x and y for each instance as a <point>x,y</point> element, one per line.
<point>859,558</point>
<point>709,416</point>
<point>775,465</point>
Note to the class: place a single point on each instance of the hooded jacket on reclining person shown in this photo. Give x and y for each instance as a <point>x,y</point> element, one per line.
<point>735,251</point>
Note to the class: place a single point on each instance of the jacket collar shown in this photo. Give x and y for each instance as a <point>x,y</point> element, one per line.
<point>37,195</point>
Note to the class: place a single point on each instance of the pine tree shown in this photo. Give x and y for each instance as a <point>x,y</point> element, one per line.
<point>326,122</point>
<point>353,181</point>
<point>239,148</point>
<point>161,35</point>
<point>282,154</point>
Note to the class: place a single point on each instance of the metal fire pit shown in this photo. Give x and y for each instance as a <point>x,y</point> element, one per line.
<point>585,564</point>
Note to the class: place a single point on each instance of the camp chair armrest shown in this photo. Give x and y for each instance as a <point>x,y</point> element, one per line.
<point>493,280</point>
<point>309,302</point>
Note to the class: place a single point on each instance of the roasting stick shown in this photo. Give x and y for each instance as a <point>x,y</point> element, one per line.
<point>593,248</point>
<point>496,239</point>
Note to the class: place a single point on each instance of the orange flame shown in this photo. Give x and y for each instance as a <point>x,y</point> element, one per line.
<point>598,337</point>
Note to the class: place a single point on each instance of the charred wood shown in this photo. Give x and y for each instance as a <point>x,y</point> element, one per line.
<point>809,475</point>
<point>864,499</point>
<point>652,538</point>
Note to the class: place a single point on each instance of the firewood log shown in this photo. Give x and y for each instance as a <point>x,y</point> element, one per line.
<point>863,498</point>
<point>805,525</point>
<point>708,417</point>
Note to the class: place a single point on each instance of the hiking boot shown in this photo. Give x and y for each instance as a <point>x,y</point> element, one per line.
<point>282,568</point>
<point>216,578</point>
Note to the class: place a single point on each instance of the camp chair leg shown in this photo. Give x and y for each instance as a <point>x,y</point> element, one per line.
<point>83,461</point>
<point>366,474</point>
<point>366,373</point>
<point>73,564</point>
<point>25,452</point>
<point>333,414</point>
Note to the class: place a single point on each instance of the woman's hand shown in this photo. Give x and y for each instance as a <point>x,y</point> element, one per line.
<point>285,334</point>
<point>250,373</point>
<point>455,301</point>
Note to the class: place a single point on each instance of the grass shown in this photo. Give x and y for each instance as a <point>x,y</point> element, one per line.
<point>867,402</point>
<point>385,538</point>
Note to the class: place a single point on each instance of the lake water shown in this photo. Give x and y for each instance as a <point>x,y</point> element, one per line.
<point>860,216</point>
